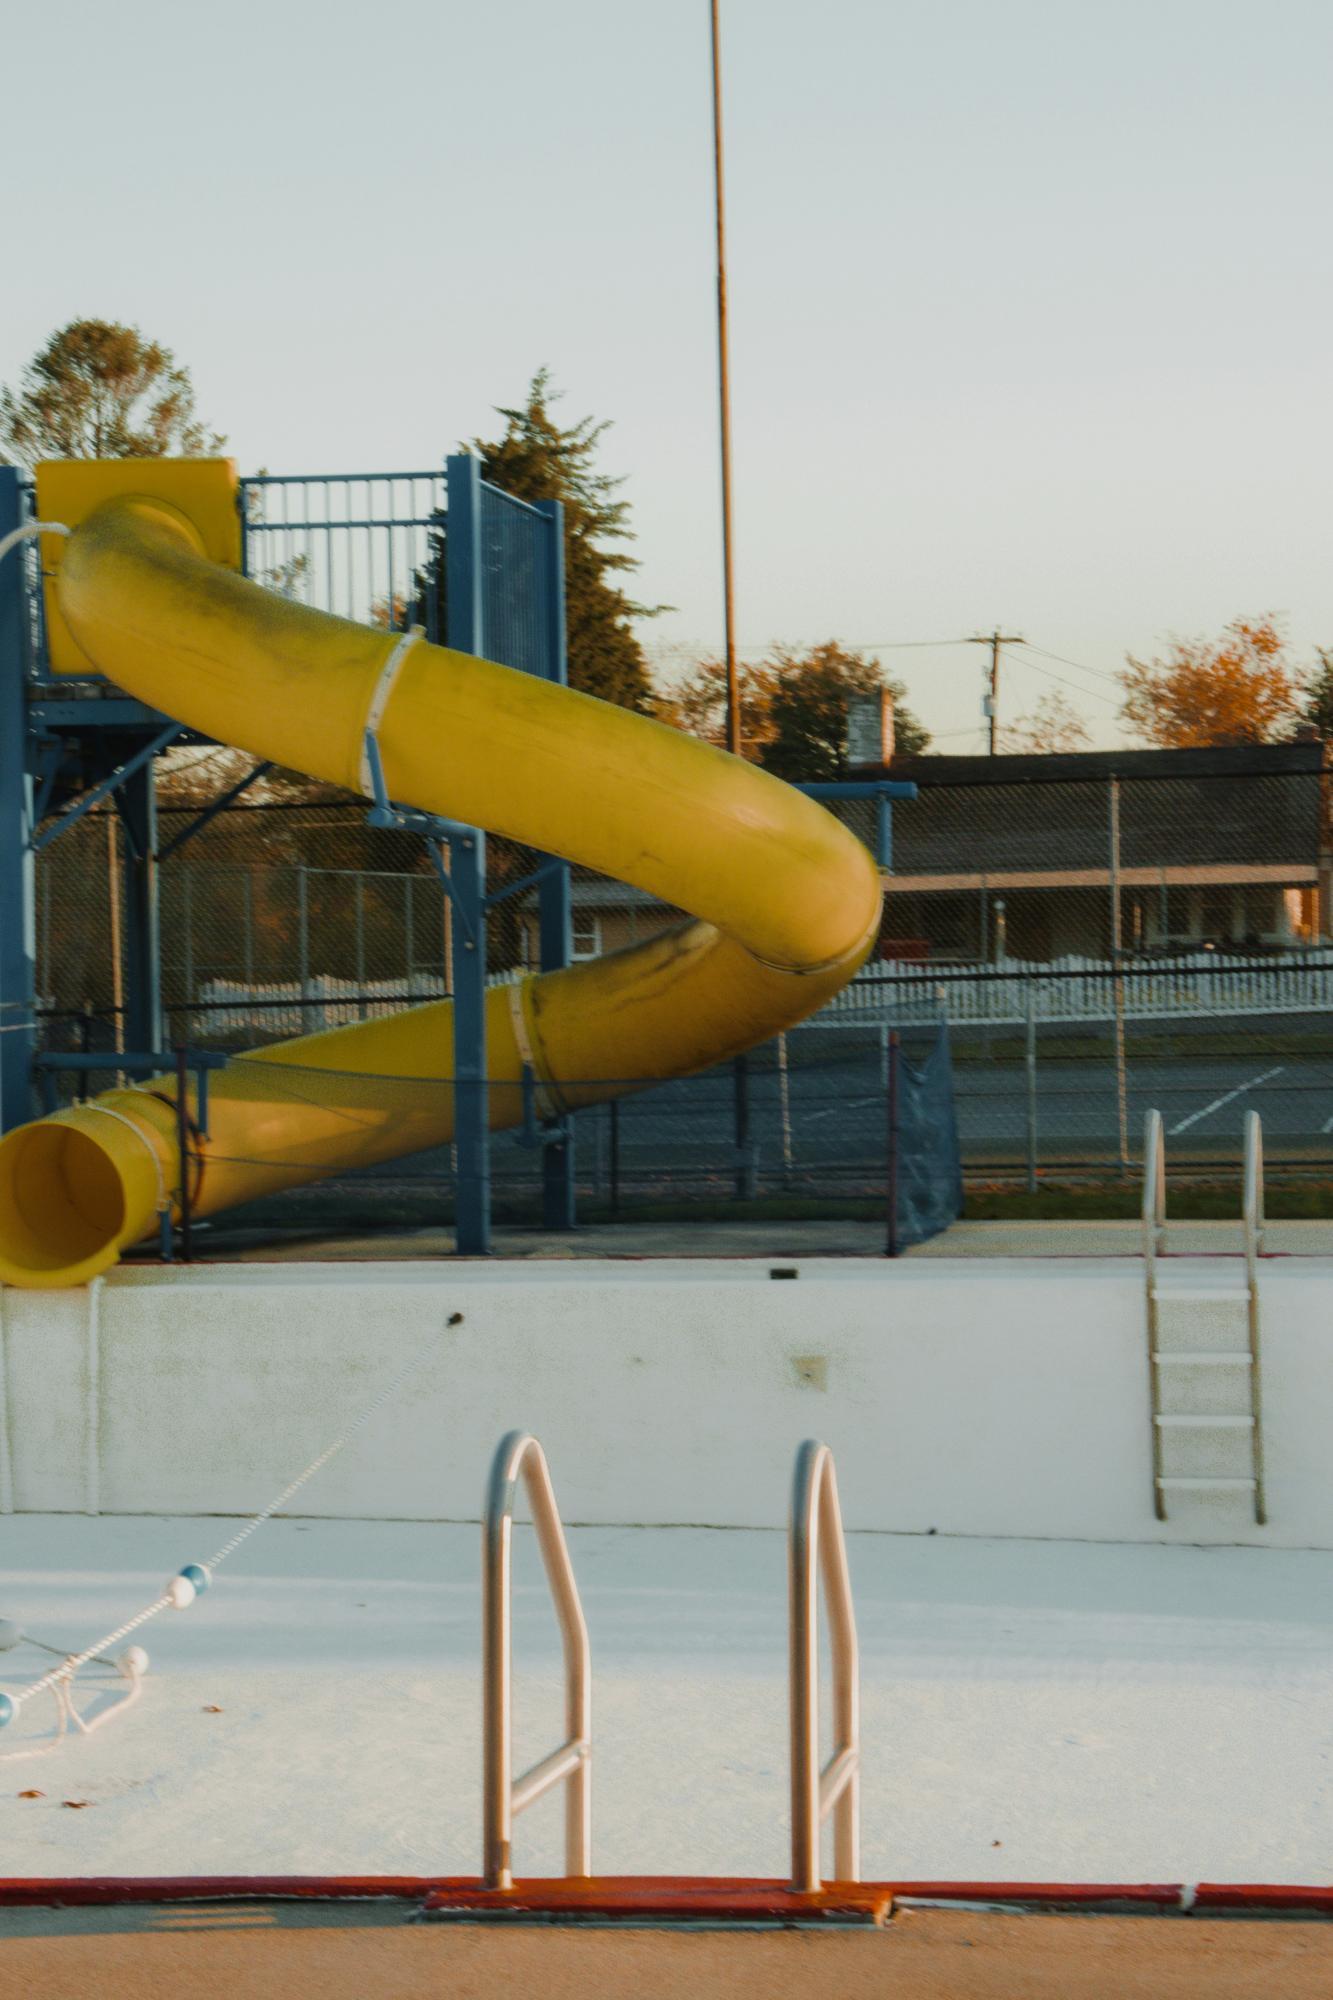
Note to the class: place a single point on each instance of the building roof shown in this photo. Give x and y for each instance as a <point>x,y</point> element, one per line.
<point>1070,767</point>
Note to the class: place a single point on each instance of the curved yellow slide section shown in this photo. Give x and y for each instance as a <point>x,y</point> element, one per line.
<point>786,900</point>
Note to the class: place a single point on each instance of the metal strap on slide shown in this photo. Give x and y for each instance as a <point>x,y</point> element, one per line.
<point>379,701</point>
<point>28,531</point>
<point>163,1199</point>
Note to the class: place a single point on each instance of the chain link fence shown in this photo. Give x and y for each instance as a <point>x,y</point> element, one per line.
<point>1097,946</point>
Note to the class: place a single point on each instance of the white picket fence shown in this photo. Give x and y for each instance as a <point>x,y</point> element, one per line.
<point>1205,983</point>
<point>293,1007</point>
<point>901,995</point>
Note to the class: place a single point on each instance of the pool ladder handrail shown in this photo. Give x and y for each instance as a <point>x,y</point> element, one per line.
<point>816,1548</point>
<point>1154,1246</point>
<point>520,1457</point>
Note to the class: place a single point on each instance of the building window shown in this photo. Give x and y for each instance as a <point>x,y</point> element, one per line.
<point>587,936</point>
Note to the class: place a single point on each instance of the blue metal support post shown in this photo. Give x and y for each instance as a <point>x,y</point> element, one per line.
<point>18,969</point>
<point>554,897</point>
<point>472,1147</point>
<point>136,801</point>
<point>467,866</point>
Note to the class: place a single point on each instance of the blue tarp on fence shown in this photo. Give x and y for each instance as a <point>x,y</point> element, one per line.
<point>925,1166</point>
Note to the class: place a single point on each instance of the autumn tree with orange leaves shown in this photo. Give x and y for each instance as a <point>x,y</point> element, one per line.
<point>1240,688</point>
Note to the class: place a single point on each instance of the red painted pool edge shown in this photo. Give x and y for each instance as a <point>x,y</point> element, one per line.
<point>719,1897</point>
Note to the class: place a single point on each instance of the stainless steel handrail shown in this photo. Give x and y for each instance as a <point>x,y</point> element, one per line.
<point>1154,1243</point>
<point>1252,1212</point>
<point>816,1547</point>
<point>519,1456</point>
<point>1154,1188</point>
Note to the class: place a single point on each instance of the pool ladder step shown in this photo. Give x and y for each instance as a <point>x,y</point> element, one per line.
<point>1198,1357</point>
<point>1203,1450</point>
<point>1199,1295</point>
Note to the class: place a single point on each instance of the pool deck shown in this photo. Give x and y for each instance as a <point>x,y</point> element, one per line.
<point>274,1951</point>
<point>780,1239</point>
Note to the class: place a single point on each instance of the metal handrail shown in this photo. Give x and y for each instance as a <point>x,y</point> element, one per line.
<point>1154,1244</point>
<point>1252,1215</point>
<point>1154,1189</point>
<point>519,1456</point>
<point>1253,1206</point>
<point>816,1547</point>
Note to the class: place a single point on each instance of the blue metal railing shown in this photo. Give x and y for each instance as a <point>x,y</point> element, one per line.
<point>357,544</point>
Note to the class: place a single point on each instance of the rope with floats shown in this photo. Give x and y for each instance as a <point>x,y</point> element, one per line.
<point>177,1594</point>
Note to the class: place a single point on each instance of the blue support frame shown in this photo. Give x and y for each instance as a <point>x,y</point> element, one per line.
<point>555,899</point>
<point>472,1136</point>
<point>468,554</point>
<point>472,1150</point>
<point>113,782</point>
<point>500,552</point>
<point>136,802</point>
<point>882,790</point>
<point>18,951</point>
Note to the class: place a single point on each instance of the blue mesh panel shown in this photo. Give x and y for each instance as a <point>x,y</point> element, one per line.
<point>930,1173</point>
<point>516,584</point>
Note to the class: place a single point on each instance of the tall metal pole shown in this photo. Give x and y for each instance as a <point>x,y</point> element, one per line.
<point>1117,981</point>
<point>724,398</point>
<point>18,942</point>
<point>136,802</point>
<point>117,944</point>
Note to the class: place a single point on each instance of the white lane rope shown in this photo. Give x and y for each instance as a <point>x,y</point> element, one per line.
<point>179,1593</point>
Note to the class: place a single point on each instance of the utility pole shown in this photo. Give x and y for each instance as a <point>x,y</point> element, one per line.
<point>724,398</point>
<point>990,707</point>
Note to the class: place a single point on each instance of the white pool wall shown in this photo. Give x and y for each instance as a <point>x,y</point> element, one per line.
<point>968,1398</point>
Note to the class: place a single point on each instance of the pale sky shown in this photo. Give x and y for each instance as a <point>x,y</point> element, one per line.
<point>1032,299</point>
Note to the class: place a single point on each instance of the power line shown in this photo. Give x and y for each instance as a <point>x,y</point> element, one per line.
<point>1094,694</point>
<point>1082,665</point>
<point>901,645</point>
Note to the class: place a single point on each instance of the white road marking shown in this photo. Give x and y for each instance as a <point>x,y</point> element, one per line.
<point>832,1110</point>
<point>1327,1126</point>
<point>1218,1102</point>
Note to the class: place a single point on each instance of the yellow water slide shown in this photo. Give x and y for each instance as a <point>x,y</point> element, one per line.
<point>786,901</point>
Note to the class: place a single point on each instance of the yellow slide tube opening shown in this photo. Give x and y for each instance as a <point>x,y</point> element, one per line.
<point>786,900</point>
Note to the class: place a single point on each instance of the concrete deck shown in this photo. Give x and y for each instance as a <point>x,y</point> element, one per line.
<point>267,1951</point>
<point>777,1240</point>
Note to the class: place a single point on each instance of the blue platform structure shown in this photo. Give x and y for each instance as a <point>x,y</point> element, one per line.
<point>477,569</point>
<point>343,542</point>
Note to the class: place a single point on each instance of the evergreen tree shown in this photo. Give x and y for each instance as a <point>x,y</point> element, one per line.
<point>538,459</point>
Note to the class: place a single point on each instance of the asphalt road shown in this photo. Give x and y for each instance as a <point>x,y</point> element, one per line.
<point>836,1113</point>
<point>831,1118</point>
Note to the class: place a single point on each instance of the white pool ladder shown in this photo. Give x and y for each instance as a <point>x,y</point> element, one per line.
<point>815,1547</point>
<point>816,1551</point>
<point>519,1456</point>
<point>1225,1381</point>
